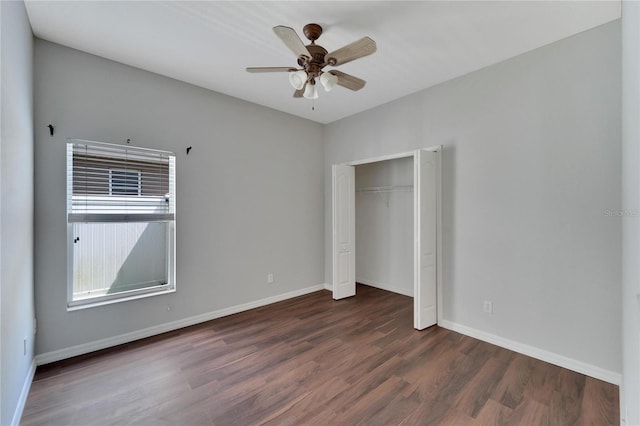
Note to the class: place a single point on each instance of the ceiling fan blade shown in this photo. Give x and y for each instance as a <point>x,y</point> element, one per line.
<point>348,81</point>
<point>363,47</point>
<point>270,69</point>
<point>291,39</point>
<point>298,93</point>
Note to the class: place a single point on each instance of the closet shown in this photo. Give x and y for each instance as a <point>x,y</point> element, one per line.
<point>398,226</point>
<point>384,225</point>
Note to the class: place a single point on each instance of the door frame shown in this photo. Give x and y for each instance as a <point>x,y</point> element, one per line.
<point>416,236</point>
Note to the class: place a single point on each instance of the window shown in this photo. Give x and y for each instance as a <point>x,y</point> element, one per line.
<point>120,221</point>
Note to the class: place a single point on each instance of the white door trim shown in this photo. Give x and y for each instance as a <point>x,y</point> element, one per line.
<point>391,156</point>
<point>383,158</point>
<point>439,290</point>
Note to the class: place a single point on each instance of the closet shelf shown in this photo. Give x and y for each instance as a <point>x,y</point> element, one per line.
<point>381,189</point>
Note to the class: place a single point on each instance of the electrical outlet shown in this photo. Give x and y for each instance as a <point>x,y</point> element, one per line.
<point>269,278</point>
<point>488,307</point>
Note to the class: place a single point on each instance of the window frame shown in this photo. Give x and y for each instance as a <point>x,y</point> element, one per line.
<point>154,290</point>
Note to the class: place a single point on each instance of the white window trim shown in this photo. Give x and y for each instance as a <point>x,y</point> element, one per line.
<point>121,297</point>
<point>169,287</point>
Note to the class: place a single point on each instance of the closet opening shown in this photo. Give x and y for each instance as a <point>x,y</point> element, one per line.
<point>386,229</point>
<point>384,225</point>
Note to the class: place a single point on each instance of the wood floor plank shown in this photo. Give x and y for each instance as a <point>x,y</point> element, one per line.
<point>510,390</point>
<point>493,414</point>
<point>428,412</point>
<point>364,409</point>
<point>475,394</point>
<point>566,399</point>
<point>455,417</point>
<point>599,403</point>
<point>532,412</point>
<point>395,411</point>
<point>315,361</point>
<point>541,383</point>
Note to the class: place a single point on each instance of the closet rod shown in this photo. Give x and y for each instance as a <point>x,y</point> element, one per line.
<point>391,188</point>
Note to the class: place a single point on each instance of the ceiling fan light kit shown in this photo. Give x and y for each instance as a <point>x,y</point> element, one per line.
<point>310,92</point>
<point>312,58</point>
<point>298,79</point>
<point>328,81</point>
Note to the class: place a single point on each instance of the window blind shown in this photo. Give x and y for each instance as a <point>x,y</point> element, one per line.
<point>119,183</point>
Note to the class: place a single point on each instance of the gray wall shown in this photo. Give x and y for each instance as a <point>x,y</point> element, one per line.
<point>16,206</point>
<point>531,164</point>
<point>630,389</point>
<point>250,193</point>
<point>384,226</point>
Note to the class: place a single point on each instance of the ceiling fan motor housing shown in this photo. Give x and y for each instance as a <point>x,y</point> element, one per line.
<point>314,65</point>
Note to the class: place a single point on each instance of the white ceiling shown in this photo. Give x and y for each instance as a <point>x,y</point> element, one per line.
<point>209,44</point>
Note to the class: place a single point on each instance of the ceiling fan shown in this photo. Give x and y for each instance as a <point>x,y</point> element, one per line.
<point>312,58</point>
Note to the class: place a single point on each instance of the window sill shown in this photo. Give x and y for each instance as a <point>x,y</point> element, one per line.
<point>80,305</point>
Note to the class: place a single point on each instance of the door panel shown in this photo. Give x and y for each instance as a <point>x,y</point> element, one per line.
<point>425,186</point>
<point>344,236</point>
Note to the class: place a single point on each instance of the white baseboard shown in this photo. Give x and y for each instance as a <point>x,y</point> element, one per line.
<point>84,348</point>
<point>541,354</point>
<point>22,400</point>
<point>328,287</point>
<point>384,286</point>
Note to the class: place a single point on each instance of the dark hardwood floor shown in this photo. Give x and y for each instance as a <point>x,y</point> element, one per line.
<point>312,360</point>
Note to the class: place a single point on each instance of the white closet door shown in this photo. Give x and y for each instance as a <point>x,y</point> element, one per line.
<point>344,232</point>
<point>425,187</point>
